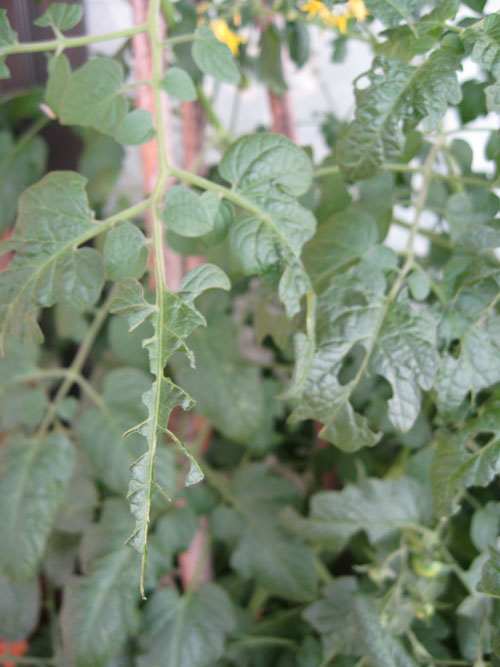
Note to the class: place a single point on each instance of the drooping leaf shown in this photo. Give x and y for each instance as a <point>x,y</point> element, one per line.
<point>60,15</point>
<point>125,252</point>
<point>19,608</point>
<point>177,83</point>
<point>234,402</point>
<point>33,489</point>
<point>214,57</point>
<point>349,624</point>
<point>174,318</point>
<point>267,171</point>
<point>136,128</point>
<point>90,96</point>
<point>188,630</point>
<point>370,505</point>
<point>398,343</point>
<point>263,550</point>
<point>396,91</point>
<point>268,64</point>
<point>48,267</point>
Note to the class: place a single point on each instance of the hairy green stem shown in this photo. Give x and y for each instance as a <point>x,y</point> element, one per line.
<point>406,168</point>
<point>62,42</point>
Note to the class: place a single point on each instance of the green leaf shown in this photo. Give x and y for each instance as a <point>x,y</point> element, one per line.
<point>125,252</point>
<point>213,57</point>
<point>336,516</point>
<point>91,96</point>
<point>398,343</point>
<point>100,430</point>
<point>268,172</point>
<point>484,526</point>
<point>220,212</point>
<point>473,363</point>
<point>160,400</point>
<point>48,267</point>
<point>268,64</point>
<point>184,213</point>
<point>22,405</point>
<point>227,391</point>
<point>99,609</point>
<point>131,304</point>
<point>21,164</point>
<point>391,12</point>
<point>396,92</point>
<point>100,162</point>
<point>349,624</point>
<point>188,630</point>
<point>298,40</point>
<point>136,128</point>
<point>419,284</point>
<point>490,578</point>
<point>485,39</point>
<point>174,318</point>
<point>456,467</point>
<point>61,16</point>
<point>33,489</point>
<point>263,549</point>
<point>7,37</point>
<point>177,83</point>
<point>19,608</point>
<point>338,241</point>
<point>493,97</point>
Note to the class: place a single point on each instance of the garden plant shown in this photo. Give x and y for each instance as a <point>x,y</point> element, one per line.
<point>240,426</point>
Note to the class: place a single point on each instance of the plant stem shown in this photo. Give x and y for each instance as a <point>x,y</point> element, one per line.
<point>180,39</point>
<point>435,238</point>
<point>69,42</point>
<point>419,209</point>
<point>406,168</point>
<point>254,641</point>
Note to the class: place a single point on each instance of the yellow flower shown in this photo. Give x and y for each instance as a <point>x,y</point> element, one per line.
<point>341,21</point>
<point>315,7</point>
<point>224,34</point>
<point>358,9</point>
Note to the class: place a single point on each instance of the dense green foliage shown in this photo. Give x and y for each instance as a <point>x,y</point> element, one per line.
<point>349,499</point>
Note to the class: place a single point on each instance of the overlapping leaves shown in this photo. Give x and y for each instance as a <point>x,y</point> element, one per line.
<point>49,267</point>
<point>396,92</point>
<point>261,547</point>
<point>398,343</point>
<point>268,172</point>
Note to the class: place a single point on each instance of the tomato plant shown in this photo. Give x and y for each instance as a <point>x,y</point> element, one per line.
<point>240,427</point>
